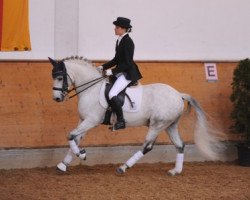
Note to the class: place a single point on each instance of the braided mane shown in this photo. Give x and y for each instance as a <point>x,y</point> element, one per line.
<point>78,59</point>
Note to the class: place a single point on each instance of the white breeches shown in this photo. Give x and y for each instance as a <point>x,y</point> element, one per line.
<point>119,85</point>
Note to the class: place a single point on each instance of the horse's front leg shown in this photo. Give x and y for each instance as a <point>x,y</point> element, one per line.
<point>62,166</point>
<point>74,140</point>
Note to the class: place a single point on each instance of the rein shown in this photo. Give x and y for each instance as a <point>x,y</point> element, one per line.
<point>95,81</point>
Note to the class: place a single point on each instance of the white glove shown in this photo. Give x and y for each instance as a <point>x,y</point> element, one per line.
<point>109,72</point>
<point>100,68</point>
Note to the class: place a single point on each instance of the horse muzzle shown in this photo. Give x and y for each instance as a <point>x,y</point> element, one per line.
<point>58,96</point>
<point>58,99</point>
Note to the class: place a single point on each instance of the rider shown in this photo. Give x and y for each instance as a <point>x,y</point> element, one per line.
<point>125,69</point>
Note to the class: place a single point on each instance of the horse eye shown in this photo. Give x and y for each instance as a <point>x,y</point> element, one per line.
<point>60,79</point>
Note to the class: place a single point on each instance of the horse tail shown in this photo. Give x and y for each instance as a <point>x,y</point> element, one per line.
<point>205,139</point>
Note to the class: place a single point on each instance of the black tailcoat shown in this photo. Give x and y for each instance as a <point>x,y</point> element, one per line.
<point>124,60</point>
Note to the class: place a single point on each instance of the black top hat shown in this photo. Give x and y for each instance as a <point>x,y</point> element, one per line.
<point>122,22</point>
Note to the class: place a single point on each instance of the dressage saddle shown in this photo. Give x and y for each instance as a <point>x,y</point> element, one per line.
<point>121,97</point>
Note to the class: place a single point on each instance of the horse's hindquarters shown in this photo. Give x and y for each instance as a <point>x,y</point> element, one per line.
<point>160,102</point>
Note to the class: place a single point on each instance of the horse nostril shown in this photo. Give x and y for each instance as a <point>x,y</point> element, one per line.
<point>57,99</point>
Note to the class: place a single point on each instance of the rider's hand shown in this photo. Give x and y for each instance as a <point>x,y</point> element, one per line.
<point>108,72</point>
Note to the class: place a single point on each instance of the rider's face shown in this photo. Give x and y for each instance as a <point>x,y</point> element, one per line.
<point>119,30</point>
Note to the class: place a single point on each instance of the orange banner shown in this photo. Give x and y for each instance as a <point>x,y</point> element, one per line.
<point>14,25</point>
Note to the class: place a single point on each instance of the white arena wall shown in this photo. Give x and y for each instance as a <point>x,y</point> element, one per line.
<point>166,30</point>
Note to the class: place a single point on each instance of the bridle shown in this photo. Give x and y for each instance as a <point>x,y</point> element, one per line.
<point>65,88</point>
<point>61,72</point>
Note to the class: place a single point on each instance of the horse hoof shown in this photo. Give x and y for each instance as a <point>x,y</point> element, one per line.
<point>120,171</point>
<point>61,167</point>
<point>82,154</point>
<point>172,172</point>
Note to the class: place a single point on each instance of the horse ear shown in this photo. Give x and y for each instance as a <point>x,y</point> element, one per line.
<point>53,62</point>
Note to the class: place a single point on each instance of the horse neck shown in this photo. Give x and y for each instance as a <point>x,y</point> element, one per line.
<point>81,74</point>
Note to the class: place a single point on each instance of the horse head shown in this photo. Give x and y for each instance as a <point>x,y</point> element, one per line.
<point>81,75</point>
<point>61,80</point>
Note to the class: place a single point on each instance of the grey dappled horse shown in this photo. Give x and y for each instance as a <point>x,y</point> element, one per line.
<point>161,108</point>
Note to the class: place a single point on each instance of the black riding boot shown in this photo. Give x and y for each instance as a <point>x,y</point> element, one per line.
<point>117,108</point>
<point>107,117</point>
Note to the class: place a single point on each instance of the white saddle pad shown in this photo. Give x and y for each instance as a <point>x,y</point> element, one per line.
<point>135,94</point>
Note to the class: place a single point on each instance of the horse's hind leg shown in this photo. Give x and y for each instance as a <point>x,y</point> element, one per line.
<point>147,146</point>
<point>173,133</point>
